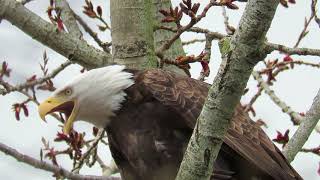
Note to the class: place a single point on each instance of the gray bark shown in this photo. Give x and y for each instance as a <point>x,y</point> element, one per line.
<point>132,33</point>
<point>63,43</point>
<point>305,129</point>
<point>161,36</point>
<point>240,55</point>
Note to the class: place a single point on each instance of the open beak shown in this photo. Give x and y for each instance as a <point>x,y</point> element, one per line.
<point>58,104</point>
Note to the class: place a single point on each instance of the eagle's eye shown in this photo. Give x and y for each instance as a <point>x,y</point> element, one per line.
<point>68,92</point>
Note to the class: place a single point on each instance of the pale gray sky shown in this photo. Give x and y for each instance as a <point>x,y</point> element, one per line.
<point>297,87</point>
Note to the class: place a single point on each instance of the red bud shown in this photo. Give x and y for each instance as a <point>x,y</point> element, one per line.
<point>25,109</point>
<point>99,10</point>
<point>282,138</point>
<point>287,58</point>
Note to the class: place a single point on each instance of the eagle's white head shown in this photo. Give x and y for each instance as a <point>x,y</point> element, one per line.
<point>93,96</point>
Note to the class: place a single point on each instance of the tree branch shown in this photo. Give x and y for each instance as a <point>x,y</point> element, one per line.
<point>303,132</point>
<point>49,167</point>
<point>160,51</point>
<point>295,117</point>
<point>93,34</point>
<point>161,36</point>
<point>185,43</point>
<point>26,85</point>
<point>65,44</point>
<point>240,55</point>
<point>292,51</point>
<point>95,142</point>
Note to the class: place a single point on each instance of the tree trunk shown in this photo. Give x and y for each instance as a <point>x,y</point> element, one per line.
<point>132,33</point>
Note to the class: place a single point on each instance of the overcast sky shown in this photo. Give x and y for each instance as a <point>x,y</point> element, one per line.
<point>297,87</point>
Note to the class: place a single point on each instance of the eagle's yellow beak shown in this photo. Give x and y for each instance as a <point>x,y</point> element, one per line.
<point>59,104</point>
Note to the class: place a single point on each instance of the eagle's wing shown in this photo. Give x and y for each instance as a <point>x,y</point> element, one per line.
<point>187,97</point>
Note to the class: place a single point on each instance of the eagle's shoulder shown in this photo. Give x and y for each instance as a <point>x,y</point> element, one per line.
<point>185,95</point>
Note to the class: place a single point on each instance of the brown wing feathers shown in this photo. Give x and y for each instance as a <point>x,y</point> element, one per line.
<point>187,96</point>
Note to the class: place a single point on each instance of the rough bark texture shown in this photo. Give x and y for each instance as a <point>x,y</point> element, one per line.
<point>132,33</point>
<point>239,57</point>
<point>63,43</point>
<point>161,36</point>
<point>68,18</point>
<point>305,129</point>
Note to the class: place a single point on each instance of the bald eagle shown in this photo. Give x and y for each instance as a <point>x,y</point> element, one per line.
<point>149,116</point>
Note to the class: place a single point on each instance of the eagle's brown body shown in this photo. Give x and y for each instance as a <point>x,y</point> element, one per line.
<point>149,134</point>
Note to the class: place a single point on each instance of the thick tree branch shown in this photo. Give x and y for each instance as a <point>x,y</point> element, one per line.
<point>305,129</point>
<point>49,167</point>
<point>68,18</point>
<point>65,44</point>
<point>239,57</point>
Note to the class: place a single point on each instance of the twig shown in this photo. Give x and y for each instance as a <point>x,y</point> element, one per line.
<point>94,35</point>
<point>180,30</point>
<point>229,29</point>
<point>49,167</point>
<point>99,160</point>
<point>185,43</point>
<point>207,51</point>
<point>86,155</point>
<point>213,35</point>
<point>104,142</point>
<point>315,151</point>
<point>279,67</point>
<point>292,51</point>
<point>269,46</point>
<point>295,117</point>
<point>304,30</point>
<point>248,106</point>
<point>26,85</point>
